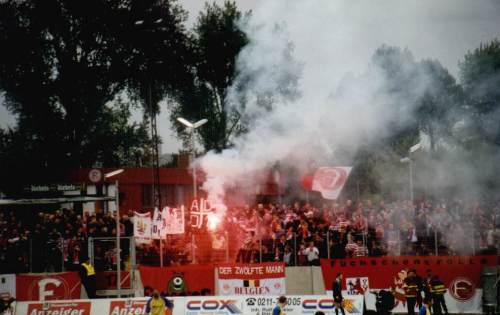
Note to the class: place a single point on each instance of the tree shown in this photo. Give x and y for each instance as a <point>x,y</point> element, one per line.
<point>217,40</point>
<point>480,76</point>
<point>438,107</point>
<point>62,64</point>
<point>480,136</point>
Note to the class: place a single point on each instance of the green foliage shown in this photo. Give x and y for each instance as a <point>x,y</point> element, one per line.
<point>217,41</point>
<point>480,130</point>
<point>480,75</point>
<point>438,107</point>
<point>62,64</point>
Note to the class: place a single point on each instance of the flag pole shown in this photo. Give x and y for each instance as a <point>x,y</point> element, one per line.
<point>161,241</point>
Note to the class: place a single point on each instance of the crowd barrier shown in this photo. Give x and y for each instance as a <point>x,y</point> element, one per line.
<point>213,305</point>
<point>463,277</point>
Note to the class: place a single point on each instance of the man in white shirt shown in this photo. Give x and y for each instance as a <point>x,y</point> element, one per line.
<point>312,254</point>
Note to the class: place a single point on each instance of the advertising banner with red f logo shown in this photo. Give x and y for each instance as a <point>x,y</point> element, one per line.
<point>329,181</point>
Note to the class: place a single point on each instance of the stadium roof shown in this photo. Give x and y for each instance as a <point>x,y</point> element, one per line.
<point>42,201</point>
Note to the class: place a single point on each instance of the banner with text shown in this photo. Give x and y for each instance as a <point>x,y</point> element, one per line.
<point>296,304</point>
<point>43,287</point>
<point>174,220</point>
<point>215,305</point>
<point>460,274</point>
<point>159,224</point>
<point>179,280</point>
<point>142,228</point>
<point>194,305</point>
<point>251,279</point>
<point>59,308</point>
<point>131,306</point>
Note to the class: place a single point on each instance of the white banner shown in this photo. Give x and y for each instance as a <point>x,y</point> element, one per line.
<point>251,279</point>
<point>301,304</point>
<point>158,227</point>
<point>329,181</point>
<point>174,220</point>
<point>209,305</point>
<point>272,286</point>
<point>142,228</point>
<point>7,286</point>
<point>215,305</point>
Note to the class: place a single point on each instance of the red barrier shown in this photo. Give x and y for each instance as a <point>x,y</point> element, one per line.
<point>460,274</point>
<point>57,286</point>
<point>179,280</point>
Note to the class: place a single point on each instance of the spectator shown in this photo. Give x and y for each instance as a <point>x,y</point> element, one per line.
<point>312,254</point>
<point>55,240</point>
<point>360,250</point>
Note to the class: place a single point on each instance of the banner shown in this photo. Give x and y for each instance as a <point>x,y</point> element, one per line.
<point>297,304</point>
<point>158,227</point>
<point>179,280</point>
<point>329,181</point>
<point>44,287</point>
<point>174,220</point>
<point>251,279</point>
<point>7,286</point>
<point>142,228</point>
<point>61,308</point>
<point>131,306</point>
<point>460,274</point>
<point>198,212</point>
<point>214,305</point>
<point>209,305</point>
<point>121,307</point>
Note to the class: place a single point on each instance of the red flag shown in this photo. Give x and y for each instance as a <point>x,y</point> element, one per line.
<point>329,181</point>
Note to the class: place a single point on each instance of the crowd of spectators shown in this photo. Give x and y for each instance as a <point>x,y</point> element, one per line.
<point>297,234</point>
<point>57,240</point>
<point>302,234</point>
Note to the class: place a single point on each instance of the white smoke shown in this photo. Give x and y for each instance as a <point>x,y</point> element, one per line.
<point>338,99</point>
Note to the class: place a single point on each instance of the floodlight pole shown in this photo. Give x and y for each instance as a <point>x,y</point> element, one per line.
<point>410,165</point>
<point>192,128</point>
<point>409,160</point>
<point>118,258</point>
<point>117,222</point>
<point>195,188</point>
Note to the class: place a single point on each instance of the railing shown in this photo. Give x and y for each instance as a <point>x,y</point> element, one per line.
<point>102,253</point>
<point>227,248</point>
<point>59,254</point>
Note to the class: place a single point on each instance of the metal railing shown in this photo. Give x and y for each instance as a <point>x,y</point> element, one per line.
<point>231,249</point>
<point>102,253</point>
<point>61,254</point>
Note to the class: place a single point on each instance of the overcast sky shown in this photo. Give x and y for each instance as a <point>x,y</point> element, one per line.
<point>458,26</point>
